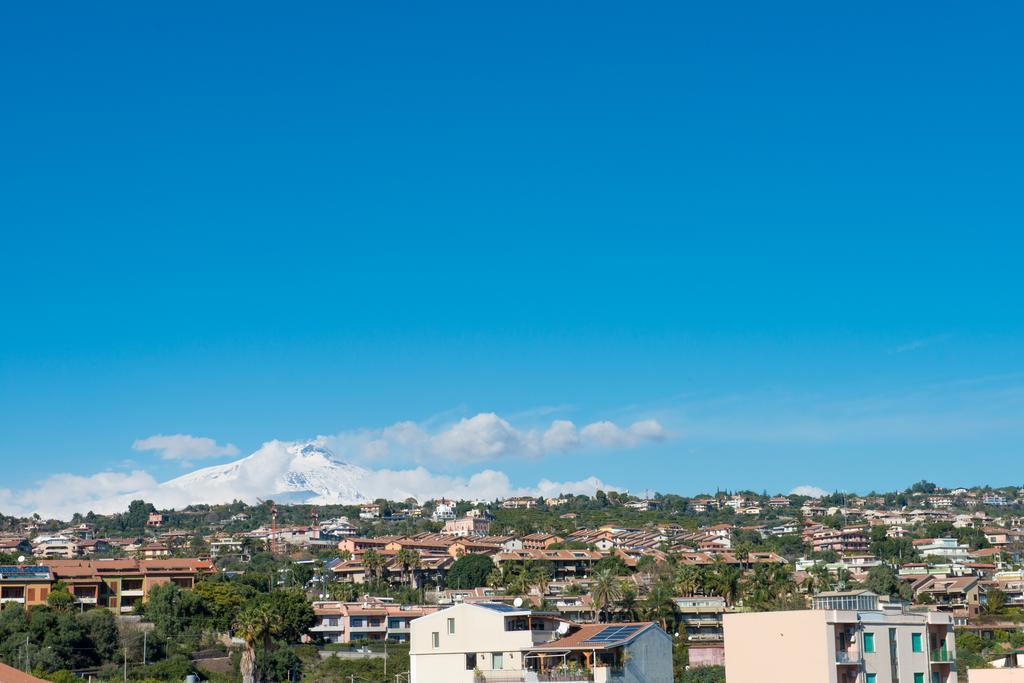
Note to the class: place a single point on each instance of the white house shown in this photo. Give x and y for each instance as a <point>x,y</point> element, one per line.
<point>480,642</point>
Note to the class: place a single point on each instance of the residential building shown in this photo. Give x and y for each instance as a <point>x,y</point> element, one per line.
<point>699,618</point>
<point>369,511</point>
<point>643,505</point>
<point>468,643</point>
<point>957,595</point>
<point>55,547</point>
<point>521,503</point>
<point>853,539</point>
<point>467,526</point>
<point>16,546</point>
<point>155,519</point>
<point>565,564</point>
<point>994,499</point>
<point>117,584</point>
<point>946,548</point>
<point>25,586</point>
<point>540,541</point>
<point>371,619</point>
<point>847,638</point>
<point>444,511</point>
<point>154,551</point>
<point>703,504</point>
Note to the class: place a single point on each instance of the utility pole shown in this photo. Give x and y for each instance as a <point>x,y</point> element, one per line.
<point>144,634</point>
<point>28,661</point>
<point>125,675</point>
<point>385,656</point>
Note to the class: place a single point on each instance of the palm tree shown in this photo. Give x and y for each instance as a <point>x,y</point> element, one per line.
<point>605,589</point>
<point>687,579</point>
<point>659,605</point>
<point>256,626</point>
<point>822,577</point>
<point>725,580</point>
<point>409,560</point>
<point>374,564</point>
<point>627,604</point>
<point>539,576</point>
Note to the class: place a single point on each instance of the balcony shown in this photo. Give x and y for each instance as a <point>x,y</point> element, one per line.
<point>20,601</point>
<point>132,593</point>
<point>366,628</point>
<point>941,656</point>
<point>85,599</point>
<point>849,657</point>
<point>326,628</point>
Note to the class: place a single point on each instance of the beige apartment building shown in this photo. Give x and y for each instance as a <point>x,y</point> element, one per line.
<point>849,637</point>
<point>481,642</point>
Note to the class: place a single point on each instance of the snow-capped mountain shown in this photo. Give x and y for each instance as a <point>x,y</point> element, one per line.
<point>282,471</point>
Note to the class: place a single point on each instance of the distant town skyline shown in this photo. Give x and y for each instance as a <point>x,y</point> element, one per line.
<point>749,246</point>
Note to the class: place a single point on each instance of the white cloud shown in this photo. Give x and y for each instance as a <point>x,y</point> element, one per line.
<point>184,447</point>
<point>62,495</point>
<point>482,437</point>
<point>485,437</point>
<point>812,491</point>
<point>421,484</point>
<point>561,436</point>
<point>610,435</point>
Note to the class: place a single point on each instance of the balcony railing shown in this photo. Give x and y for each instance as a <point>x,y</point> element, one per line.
<point>844,657</point>
<point>941,656</point>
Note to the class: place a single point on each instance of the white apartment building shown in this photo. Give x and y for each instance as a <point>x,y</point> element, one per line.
<point>55,547</point>
<point>946,548</point>
<point>480,642</point>
<point>847,638</point>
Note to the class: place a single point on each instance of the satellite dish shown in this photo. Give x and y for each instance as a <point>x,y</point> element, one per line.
<point>563,628</point>
<point>518,602</point>
<point>21,559</point>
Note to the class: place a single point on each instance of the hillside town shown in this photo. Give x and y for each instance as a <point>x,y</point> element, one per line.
<point>610,587</point>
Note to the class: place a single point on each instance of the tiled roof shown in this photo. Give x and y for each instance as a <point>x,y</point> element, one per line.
<point>582,638</point>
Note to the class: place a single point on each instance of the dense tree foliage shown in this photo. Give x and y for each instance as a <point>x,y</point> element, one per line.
<point>470,571</point>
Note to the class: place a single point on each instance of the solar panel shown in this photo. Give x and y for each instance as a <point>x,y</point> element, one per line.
<point>11,571</point>
<point>499,607</point>
<point>612,634</point>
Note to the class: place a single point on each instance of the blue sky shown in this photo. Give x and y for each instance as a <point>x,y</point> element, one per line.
<point>790,234</point>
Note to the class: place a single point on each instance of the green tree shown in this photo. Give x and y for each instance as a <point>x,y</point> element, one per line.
<point>256,626</point>
<point>409,560</point>
<point>658,605</point>
<point>604,589</point>
<point>884,580</point>
<point>704,674</point>
<point>223,600</point>
<point>470,571</point>
<point>101,629</point>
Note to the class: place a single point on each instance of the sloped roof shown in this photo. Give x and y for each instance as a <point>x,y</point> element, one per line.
<point>11,675</point>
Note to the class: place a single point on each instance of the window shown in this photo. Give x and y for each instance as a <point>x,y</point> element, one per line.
<point>893,656</point>
<point>915,645</point>
<point>869,642</point>
<point>870,678</point>
<point>497,660</point>
<point>435,639</point>
<point>935,677</point>
<point>451,625</point>
<point>919,678</point>
<point>470,661</point>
